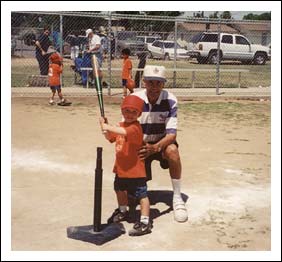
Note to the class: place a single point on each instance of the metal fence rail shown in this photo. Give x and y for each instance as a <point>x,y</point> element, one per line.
<point>202,54</point>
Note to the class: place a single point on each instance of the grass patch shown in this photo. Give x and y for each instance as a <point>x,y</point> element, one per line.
<point>257,75</point>
<point>251,113</point>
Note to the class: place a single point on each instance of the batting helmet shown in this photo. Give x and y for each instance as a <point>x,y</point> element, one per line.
<point>55,57</point>
<point>130,84</point>
<point>134,102</point>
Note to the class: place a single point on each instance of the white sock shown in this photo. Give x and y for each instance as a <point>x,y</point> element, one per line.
<point>144,219</point>
<point>176,185</point>
<point>123,209</point>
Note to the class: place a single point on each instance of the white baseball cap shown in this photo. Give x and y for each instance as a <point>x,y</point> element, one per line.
<point>152,72</point>
<point>88,31</point>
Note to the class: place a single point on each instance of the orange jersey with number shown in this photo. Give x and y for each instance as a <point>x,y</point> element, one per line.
<point>54,73</point>
<point>128,163</point>
<point>126,69</point>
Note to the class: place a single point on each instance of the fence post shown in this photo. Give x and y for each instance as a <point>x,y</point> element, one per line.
<point>110,52</point>
<point>175,53</point>
<point>193,79</point>
<point>218,57</point>
<point>21,47</point>
<point>61,45</point>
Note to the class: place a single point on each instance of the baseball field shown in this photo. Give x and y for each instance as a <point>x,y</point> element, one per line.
<point>225,153</point>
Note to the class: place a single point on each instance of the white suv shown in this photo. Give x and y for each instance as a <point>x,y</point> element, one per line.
<point>148,39</point>
<point>203,46</point>
<point>165,50</point>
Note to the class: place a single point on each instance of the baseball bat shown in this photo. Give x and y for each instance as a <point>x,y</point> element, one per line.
<point>98,86</point>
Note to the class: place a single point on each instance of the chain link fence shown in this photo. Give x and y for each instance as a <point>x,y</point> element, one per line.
<point>202,56</point>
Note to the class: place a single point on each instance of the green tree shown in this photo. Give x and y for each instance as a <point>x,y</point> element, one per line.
<point>199,14</point>
<point>263,16</point>
<point>161,26</point>
<point>127,12</point>
<point>214,15</point>
<point>164,13</point>
<point>148,24</point>
<point>226,15</point>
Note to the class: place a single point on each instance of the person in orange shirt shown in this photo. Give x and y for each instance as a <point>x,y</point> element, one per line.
<point>130,172</point>
<point>54,73</point>
<point>126,72</point>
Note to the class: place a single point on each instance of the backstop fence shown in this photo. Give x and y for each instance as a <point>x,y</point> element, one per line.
<point>202,56</point>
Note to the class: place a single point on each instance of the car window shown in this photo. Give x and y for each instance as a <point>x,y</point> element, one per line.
<point>140,39</point>
<point>196,38</point>
<point>150,39</point>
<point>241,40</point>
<point>209,38</point>
<point>157,44</point>
<point>169,45</point>
<point>227,39</point>
<point>126,36</point>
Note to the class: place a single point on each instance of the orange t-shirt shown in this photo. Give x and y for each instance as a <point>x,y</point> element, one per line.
<point>128,163</point>
<point>54,73</point>
<point>126,69</point>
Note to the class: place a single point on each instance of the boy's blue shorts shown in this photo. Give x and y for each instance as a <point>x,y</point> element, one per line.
<point>54,88</point>
<point>123,82</point>
<point>136,187</point>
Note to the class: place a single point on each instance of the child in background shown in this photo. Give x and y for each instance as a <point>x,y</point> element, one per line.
<point>126,72</point>
<point>129,169</point>
<point>54,73</point>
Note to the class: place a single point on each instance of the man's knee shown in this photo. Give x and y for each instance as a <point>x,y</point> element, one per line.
<point>172,153</point>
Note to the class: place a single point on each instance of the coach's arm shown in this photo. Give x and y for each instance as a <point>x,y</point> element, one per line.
<point>37,43</point>
<point>149,149</point>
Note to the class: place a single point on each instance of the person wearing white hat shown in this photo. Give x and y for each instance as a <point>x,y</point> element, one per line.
<point>159,124</point>
<point>94,48</point>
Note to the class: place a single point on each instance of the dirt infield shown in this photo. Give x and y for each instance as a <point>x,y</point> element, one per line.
<point>225,153</point>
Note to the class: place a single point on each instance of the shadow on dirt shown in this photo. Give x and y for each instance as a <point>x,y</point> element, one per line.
<point>109,232</point>
<point>155,197</point>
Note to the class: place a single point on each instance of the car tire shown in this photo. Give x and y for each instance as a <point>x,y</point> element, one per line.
<point>213,58</point>
<point>260,59</point>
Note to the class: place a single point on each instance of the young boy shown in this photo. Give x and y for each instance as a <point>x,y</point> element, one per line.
<point>126,72</point>
<point>54,72</point>
<point>130,170</point>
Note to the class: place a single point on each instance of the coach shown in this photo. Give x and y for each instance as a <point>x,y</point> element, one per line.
<point>159,124</point>
<point>42,45</point>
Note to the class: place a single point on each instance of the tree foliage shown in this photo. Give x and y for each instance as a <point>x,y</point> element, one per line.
<point>199,14</point>
<point>263,16</point>
<point>214,15</point>
<point>148,24</point>
<point>164,13</point>
<point>226,15</point>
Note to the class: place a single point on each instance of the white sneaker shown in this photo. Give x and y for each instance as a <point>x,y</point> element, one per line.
<point>180,211</point>
<point>51,102</point>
